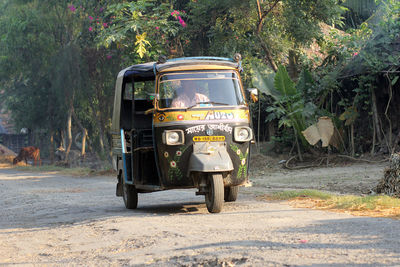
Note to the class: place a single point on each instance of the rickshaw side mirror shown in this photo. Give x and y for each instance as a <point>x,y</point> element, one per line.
<point>253,92</point>
<point>152,97</point>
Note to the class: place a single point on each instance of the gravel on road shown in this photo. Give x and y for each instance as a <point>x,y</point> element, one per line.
<point>49,219</point>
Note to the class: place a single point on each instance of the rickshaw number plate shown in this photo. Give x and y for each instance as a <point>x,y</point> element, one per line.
<point>208,138</point>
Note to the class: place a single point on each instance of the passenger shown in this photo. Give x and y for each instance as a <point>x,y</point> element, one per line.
<point>187,96</point>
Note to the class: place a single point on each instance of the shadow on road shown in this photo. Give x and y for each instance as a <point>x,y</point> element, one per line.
<point>37,200</point>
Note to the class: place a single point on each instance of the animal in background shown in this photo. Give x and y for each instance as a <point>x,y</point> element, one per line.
<point>26,153</point>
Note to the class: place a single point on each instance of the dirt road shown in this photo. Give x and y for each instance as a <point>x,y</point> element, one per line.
<point>48,219</point>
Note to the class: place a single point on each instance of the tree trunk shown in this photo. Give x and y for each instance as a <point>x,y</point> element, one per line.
<point>352,140</point>
<point>84,132</point>
<point>261,17</point>
<point>373,138</point>
<point>69,133</point>
<point>51,150</point>
<point>103,143</point>
<point>62,139</point>
<point>375,117</point>
<point>105,140</point>
<point>268,55</point>
<point>298,145</point>
<point>271,130</point>
<point>293,65</point>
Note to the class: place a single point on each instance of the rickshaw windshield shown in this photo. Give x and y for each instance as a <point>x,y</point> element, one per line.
<point>199,89</point>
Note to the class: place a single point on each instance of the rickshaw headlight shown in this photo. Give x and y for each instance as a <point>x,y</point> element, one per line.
<point>173,137</point>
<point>243,134</point>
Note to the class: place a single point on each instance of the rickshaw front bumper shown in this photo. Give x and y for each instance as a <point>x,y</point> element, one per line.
<point>210,157</point>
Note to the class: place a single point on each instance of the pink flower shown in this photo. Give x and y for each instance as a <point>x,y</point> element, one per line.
<point>174,13</point>
<point>355,54</point>
<point>105,25</point>
<point>90,28</point>
<point>109,56</point>
<point>91,18</point>
<point>157,28</point>
<point>181,21</point>
<point>72,8</point>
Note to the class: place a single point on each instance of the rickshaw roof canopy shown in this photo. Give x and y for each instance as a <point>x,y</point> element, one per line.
<point>146,71</point>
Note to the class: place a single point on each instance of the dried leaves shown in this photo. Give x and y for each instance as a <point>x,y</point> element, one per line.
<point>390,183</point>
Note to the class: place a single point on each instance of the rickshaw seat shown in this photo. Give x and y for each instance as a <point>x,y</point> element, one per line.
<point>140,119</point>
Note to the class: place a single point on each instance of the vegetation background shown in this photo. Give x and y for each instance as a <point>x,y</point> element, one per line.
<point>309,58</point>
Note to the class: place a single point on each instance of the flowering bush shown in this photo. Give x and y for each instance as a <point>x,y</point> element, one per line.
<point>175,14</point>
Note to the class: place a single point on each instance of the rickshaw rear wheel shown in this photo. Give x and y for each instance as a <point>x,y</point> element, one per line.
<point>231,193</point>
<point>215,193</point>
<point>130,195</point>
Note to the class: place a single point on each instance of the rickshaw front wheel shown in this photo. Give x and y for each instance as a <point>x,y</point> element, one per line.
<point>231,193</point>
<point>215,193</point>
<point>129,195</point>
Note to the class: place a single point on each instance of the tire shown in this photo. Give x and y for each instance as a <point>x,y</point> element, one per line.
<point>215,195</point>
<point>130,195</point>
<point>231,193</point>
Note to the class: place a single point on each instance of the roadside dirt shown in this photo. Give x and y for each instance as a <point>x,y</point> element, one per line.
<point>344,177</point>
<point>54,220</point>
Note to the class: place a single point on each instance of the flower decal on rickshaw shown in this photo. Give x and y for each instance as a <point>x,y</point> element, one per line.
<point>243,167</point>
<point>174,172</point>
<point>180,117</point>
<point>166,154</point>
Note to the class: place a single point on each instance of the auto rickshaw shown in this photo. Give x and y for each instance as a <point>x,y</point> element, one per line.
<point>163,139</point>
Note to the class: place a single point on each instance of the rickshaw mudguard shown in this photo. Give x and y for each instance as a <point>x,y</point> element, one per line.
<point>210,157</point>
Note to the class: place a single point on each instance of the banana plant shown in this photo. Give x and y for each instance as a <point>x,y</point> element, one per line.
<point>289,106</point>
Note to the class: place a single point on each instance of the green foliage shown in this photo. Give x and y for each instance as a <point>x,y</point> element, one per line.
<point>349,116</point>
<point>303,18</point>
<point>283,83</point>
<point>289,106</point>
<point>48,59</point>
<point>53,53</point>
<point>149,22</point>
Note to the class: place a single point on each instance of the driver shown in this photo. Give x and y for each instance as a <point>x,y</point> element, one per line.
<point>187,95</point>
